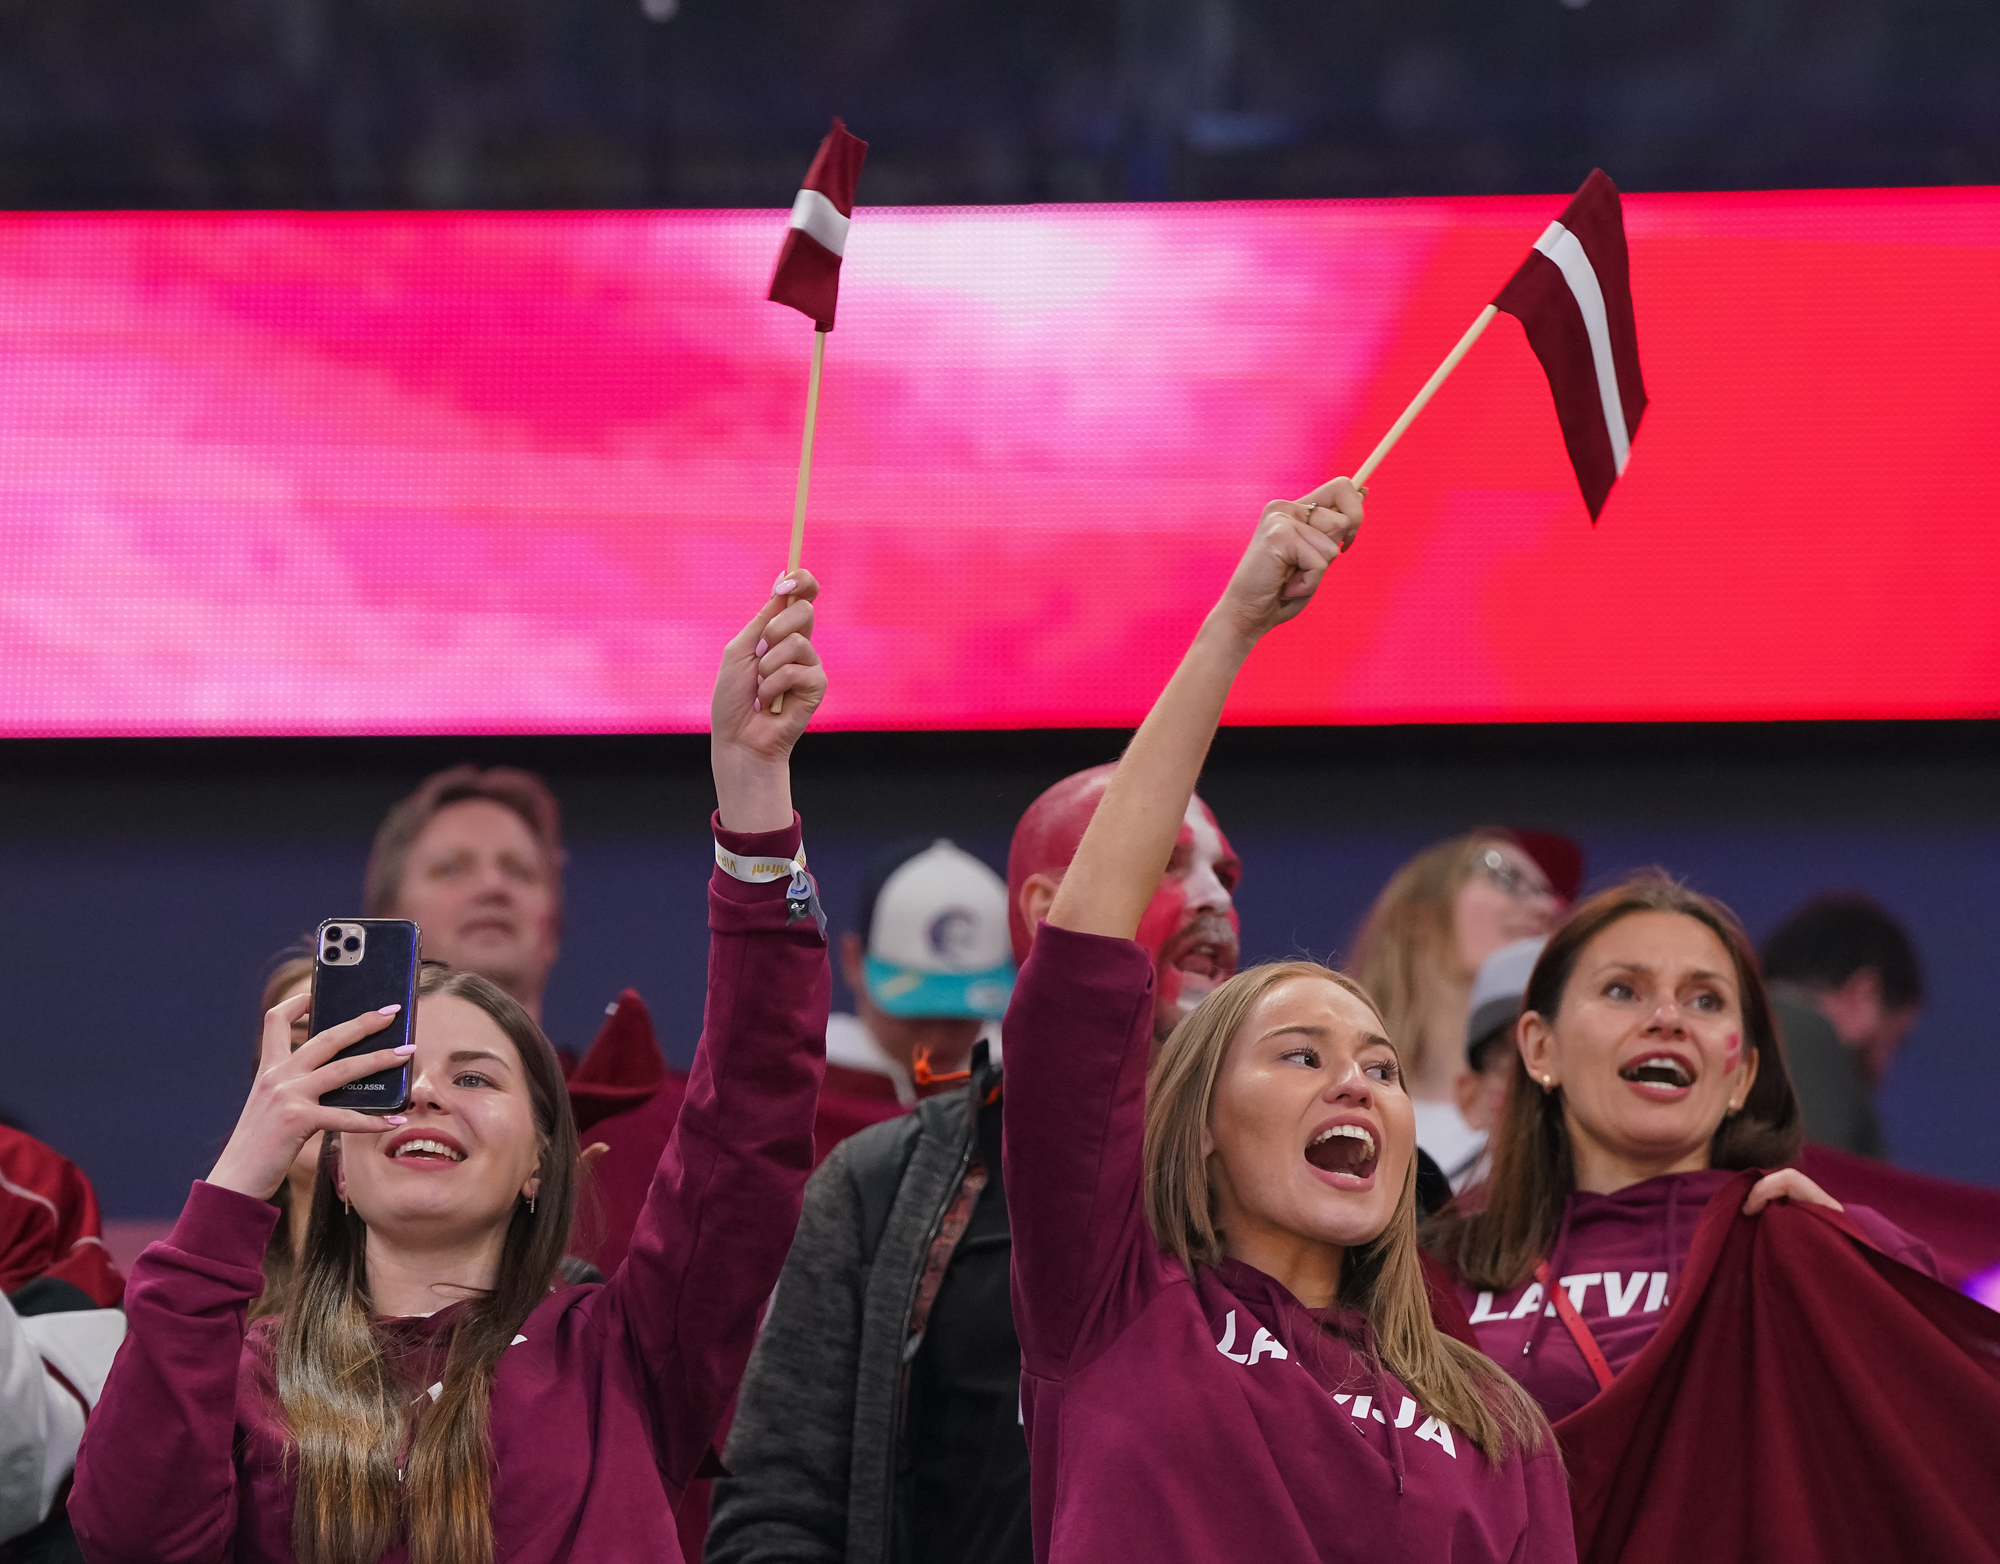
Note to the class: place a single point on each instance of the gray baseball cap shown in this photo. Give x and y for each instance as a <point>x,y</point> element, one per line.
<point>1497,993</point>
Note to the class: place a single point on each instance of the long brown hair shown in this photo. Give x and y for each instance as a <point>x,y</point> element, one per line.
<point>1384,1278</point>
<point>1407,954</point>
<point>346,1413</point>
<point>1514,1222</point>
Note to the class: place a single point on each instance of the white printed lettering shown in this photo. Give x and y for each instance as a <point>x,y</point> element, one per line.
<point>1438,1434</point>
<point>1577,1286</point>
<point>1343,1398</point>
<point>1266,1345</point>
<point>1483,1310</point>
<point>1656,1295</point>
<point>1406,1414</point>
<point>1360,1407</point>
<point>1229,1340</point>
<point>1618,1302</point>
<point>1531,1300</point>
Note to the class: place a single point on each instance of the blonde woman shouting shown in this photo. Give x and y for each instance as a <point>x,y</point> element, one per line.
<point>1227,1346</point>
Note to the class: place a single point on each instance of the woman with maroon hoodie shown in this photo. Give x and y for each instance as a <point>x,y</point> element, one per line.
<point>1649,1075</point>
<point>431,1392</point>
<point>1227,1348</point>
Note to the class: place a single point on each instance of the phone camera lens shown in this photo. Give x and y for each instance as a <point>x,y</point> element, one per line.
<point>352,943</point>
<point>333,932</point>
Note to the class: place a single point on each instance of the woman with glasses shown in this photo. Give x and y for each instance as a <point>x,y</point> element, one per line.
<point>1439,917</point>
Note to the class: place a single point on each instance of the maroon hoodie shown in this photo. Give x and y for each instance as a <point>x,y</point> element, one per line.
<point>1211,1417</point>
<point>1619,1258</point>
<point>604,1407</point>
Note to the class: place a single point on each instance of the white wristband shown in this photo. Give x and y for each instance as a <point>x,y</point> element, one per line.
<point>758,871</point>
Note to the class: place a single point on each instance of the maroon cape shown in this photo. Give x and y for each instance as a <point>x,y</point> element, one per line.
<point>1960,1222</point>
<point>1806,1398</point>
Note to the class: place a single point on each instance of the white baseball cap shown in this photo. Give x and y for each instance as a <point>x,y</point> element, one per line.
<point>937,942</point>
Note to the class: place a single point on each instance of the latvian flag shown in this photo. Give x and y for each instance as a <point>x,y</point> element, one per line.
<point>808,274</point>
<point>1573,294</point>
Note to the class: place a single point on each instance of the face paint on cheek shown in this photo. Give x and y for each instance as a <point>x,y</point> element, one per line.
<point>1732,1051</point>
<point>1164,917</point>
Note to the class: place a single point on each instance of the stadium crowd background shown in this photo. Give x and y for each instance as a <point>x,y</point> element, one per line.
<point>148,879</point>
<point>152,882</point>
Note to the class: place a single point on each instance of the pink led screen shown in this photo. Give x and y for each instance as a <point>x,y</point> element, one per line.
<point>458,472</point>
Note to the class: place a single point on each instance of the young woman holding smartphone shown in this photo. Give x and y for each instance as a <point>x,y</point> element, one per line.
<point>1227,1344</point>
<point>431,1392</point>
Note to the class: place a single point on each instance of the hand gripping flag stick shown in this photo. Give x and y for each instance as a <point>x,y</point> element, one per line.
<point>1573,296</point>
<point>808,279</point>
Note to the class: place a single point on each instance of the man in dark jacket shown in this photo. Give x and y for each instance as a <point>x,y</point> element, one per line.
<point>1847,989</point>
<point>880,1416</point>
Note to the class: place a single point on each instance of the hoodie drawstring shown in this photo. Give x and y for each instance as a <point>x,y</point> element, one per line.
<point>1543,1316</point>
<point>1674,1250</point>
<point>1384,1401</point>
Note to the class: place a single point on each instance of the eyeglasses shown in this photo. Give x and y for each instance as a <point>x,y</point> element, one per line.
<point>1514,880</point>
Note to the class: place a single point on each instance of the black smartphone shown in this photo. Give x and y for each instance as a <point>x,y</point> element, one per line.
<point>359,965</point>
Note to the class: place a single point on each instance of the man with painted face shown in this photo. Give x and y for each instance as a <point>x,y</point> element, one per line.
<point>1190,926</point>
<point>880,1416</point>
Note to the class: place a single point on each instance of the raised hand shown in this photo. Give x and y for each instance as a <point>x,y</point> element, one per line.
<point>284,1110</point>
<point>1288,556</point>
<point>750,746</point>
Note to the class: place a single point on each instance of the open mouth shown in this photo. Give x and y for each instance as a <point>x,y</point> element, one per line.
<point>1343,1148</point>
<point>1201,967</point>
<point>1658,1072</point>
<point>1203,955</point>
<point>422,1150</point>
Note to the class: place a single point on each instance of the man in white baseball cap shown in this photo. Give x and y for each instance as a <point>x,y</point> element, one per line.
<point>931,966</point>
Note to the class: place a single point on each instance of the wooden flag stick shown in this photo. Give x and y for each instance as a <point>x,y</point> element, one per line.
<point>1430,390</point>
<point>805,478</point>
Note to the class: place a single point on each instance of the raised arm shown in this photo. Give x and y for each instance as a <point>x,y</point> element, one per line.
<point>1130,838</point>
<point>719,1215</point>
<point>791,1444</point>
<point>1080,1029</point>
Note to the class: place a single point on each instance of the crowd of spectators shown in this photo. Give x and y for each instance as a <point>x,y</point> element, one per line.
<point>883,1412</point>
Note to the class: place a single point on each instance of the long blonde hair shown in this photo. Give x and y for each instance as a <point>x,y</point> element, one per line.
<point>345,1412</point>
<point>1406,954</point>
<point>1384,1279</point>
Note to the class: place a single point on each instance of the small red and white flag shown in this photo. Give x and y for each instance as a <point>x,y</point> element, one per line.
<point>808,274</point>
<point>1573,294</point>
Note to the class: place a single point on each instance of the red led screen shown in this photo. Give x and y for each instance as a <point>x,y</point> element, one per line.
<point>283,473</point>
